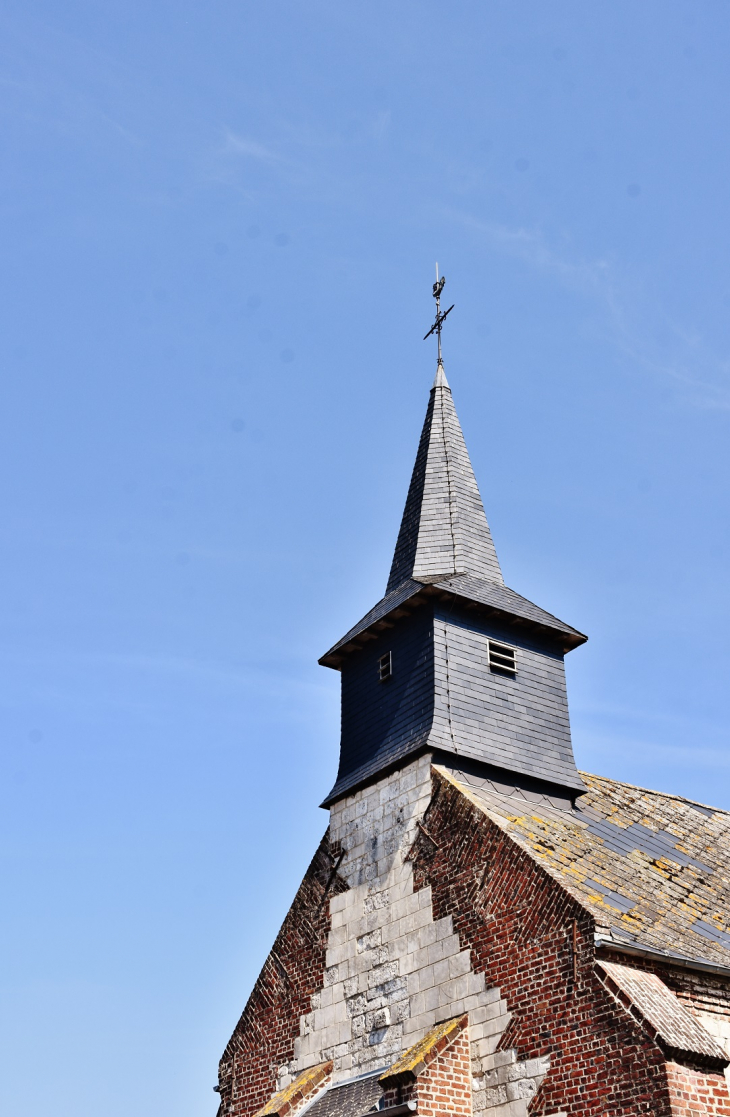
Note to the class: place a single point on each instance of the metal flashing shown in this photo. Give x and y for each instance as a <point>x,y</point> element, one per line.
<point>634,950</point>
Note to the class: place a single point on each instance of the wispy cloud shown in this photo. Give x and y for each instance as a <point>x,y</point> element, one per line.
<point>233,144</point>
<point>633,317</point>
<point>381,125</point>
<point>642,754</point>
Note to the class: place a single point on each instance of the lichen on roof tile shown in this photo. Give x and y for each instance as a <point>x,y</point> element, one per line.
<point>656,856</point>
<point>292,1095</point>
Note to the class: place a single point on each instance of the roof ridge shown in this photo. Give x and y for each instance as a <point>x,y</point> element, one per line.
<point>655,791</point>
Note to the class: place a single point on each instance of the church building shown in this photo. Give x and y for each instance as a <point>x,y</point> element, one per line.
<point>485,929</point>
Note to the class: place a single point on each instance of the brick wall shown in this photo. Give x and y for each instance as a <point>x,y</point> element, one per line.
<point>518,923</point>
<point>255,1062</point>
<point>694,1094</point>
<point>443,1089</point>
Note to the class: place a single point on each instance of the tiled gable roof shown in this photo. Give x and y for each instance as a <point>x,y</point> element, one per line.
<point>653,869</point>
<point>415,1060</point>
<point>291,1098</point>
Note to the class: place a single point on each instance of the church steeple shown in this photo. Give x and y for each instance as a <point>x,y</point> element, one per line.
<point>451,661</point>
<point>444,530</point>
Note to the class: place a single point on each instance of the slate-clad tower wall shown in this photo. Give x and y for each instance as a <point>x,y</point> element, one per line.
<point>518,723</point>
<point>392,718</point>
<point>443,696</point>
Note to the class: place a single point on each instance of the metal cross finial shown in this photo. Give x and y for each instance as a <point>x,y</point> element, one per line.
<point>436,328</point>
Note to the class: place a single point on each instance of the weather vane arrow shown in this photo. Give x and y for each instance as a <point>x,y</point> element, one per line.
<point>436,328</point>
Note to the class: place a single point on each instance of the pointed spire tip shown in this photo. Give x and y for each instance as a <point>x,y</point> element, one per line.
<point>440,380</point>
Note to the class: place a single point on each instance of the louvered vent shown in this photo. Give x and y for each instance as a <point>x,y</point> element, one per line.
<point>385,666</point>
<point>502,658</point>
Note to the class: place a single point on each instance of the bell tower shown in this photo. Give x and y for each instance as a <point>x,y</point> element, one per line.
<point>451,661</point>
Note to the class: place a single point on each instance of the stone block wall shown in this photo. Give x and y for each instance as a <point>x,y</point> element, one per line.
<point>392,969</point>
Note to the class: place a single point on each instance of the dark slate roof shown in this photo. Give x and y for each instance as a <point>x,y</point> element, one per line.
<point>653,869</point>
<point>351,1099</point>
<point>506,601</point>
<point>444,539</point>
<point>386,605</point>
<point>444,530</point>
<point>493,595</point>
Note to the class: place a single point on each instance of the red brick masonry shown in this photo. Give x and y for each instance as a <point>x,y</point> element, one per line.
<point>693,1094</point>
<point>518,923</point>
<point>263,1039</point>
<point>444,1087</point>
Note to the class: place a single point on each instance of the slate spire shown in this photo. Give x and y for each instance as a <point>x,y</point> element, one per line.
<point>444,530</point>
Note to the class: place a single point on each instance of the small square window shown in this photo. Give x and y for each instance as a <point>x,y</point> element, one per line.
<point>502,659</point>
<point>385,667</point>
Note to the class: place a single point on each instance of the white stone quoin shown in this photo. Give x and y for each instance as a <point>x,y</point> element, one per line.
<point>392,970</point>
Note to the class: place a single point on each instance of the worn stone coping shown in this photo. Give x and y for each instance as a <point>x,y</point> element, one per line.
<point>297,1091</point>
<point>415,1060</point>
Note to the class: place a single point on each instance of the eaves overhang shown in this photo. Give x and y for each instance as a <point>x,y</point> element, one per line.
<point>607,943</point>
<point>486,598</point>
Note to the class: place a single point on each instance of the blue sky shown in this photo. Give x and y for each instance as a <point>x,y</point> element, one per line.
<point>220,223</point>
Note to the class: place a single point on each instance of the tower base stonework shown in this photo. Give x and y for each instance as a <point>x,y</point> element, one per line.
<point>392,970</point>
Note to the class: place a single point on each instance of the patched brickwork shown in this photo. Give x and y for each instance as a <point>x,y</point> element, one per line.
<point>441,1086</point>
<point>693,1094</point>
<point>436,912</point>
<point>263,1041</point>
<point>444,1089</point>
<point>518,924</point>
